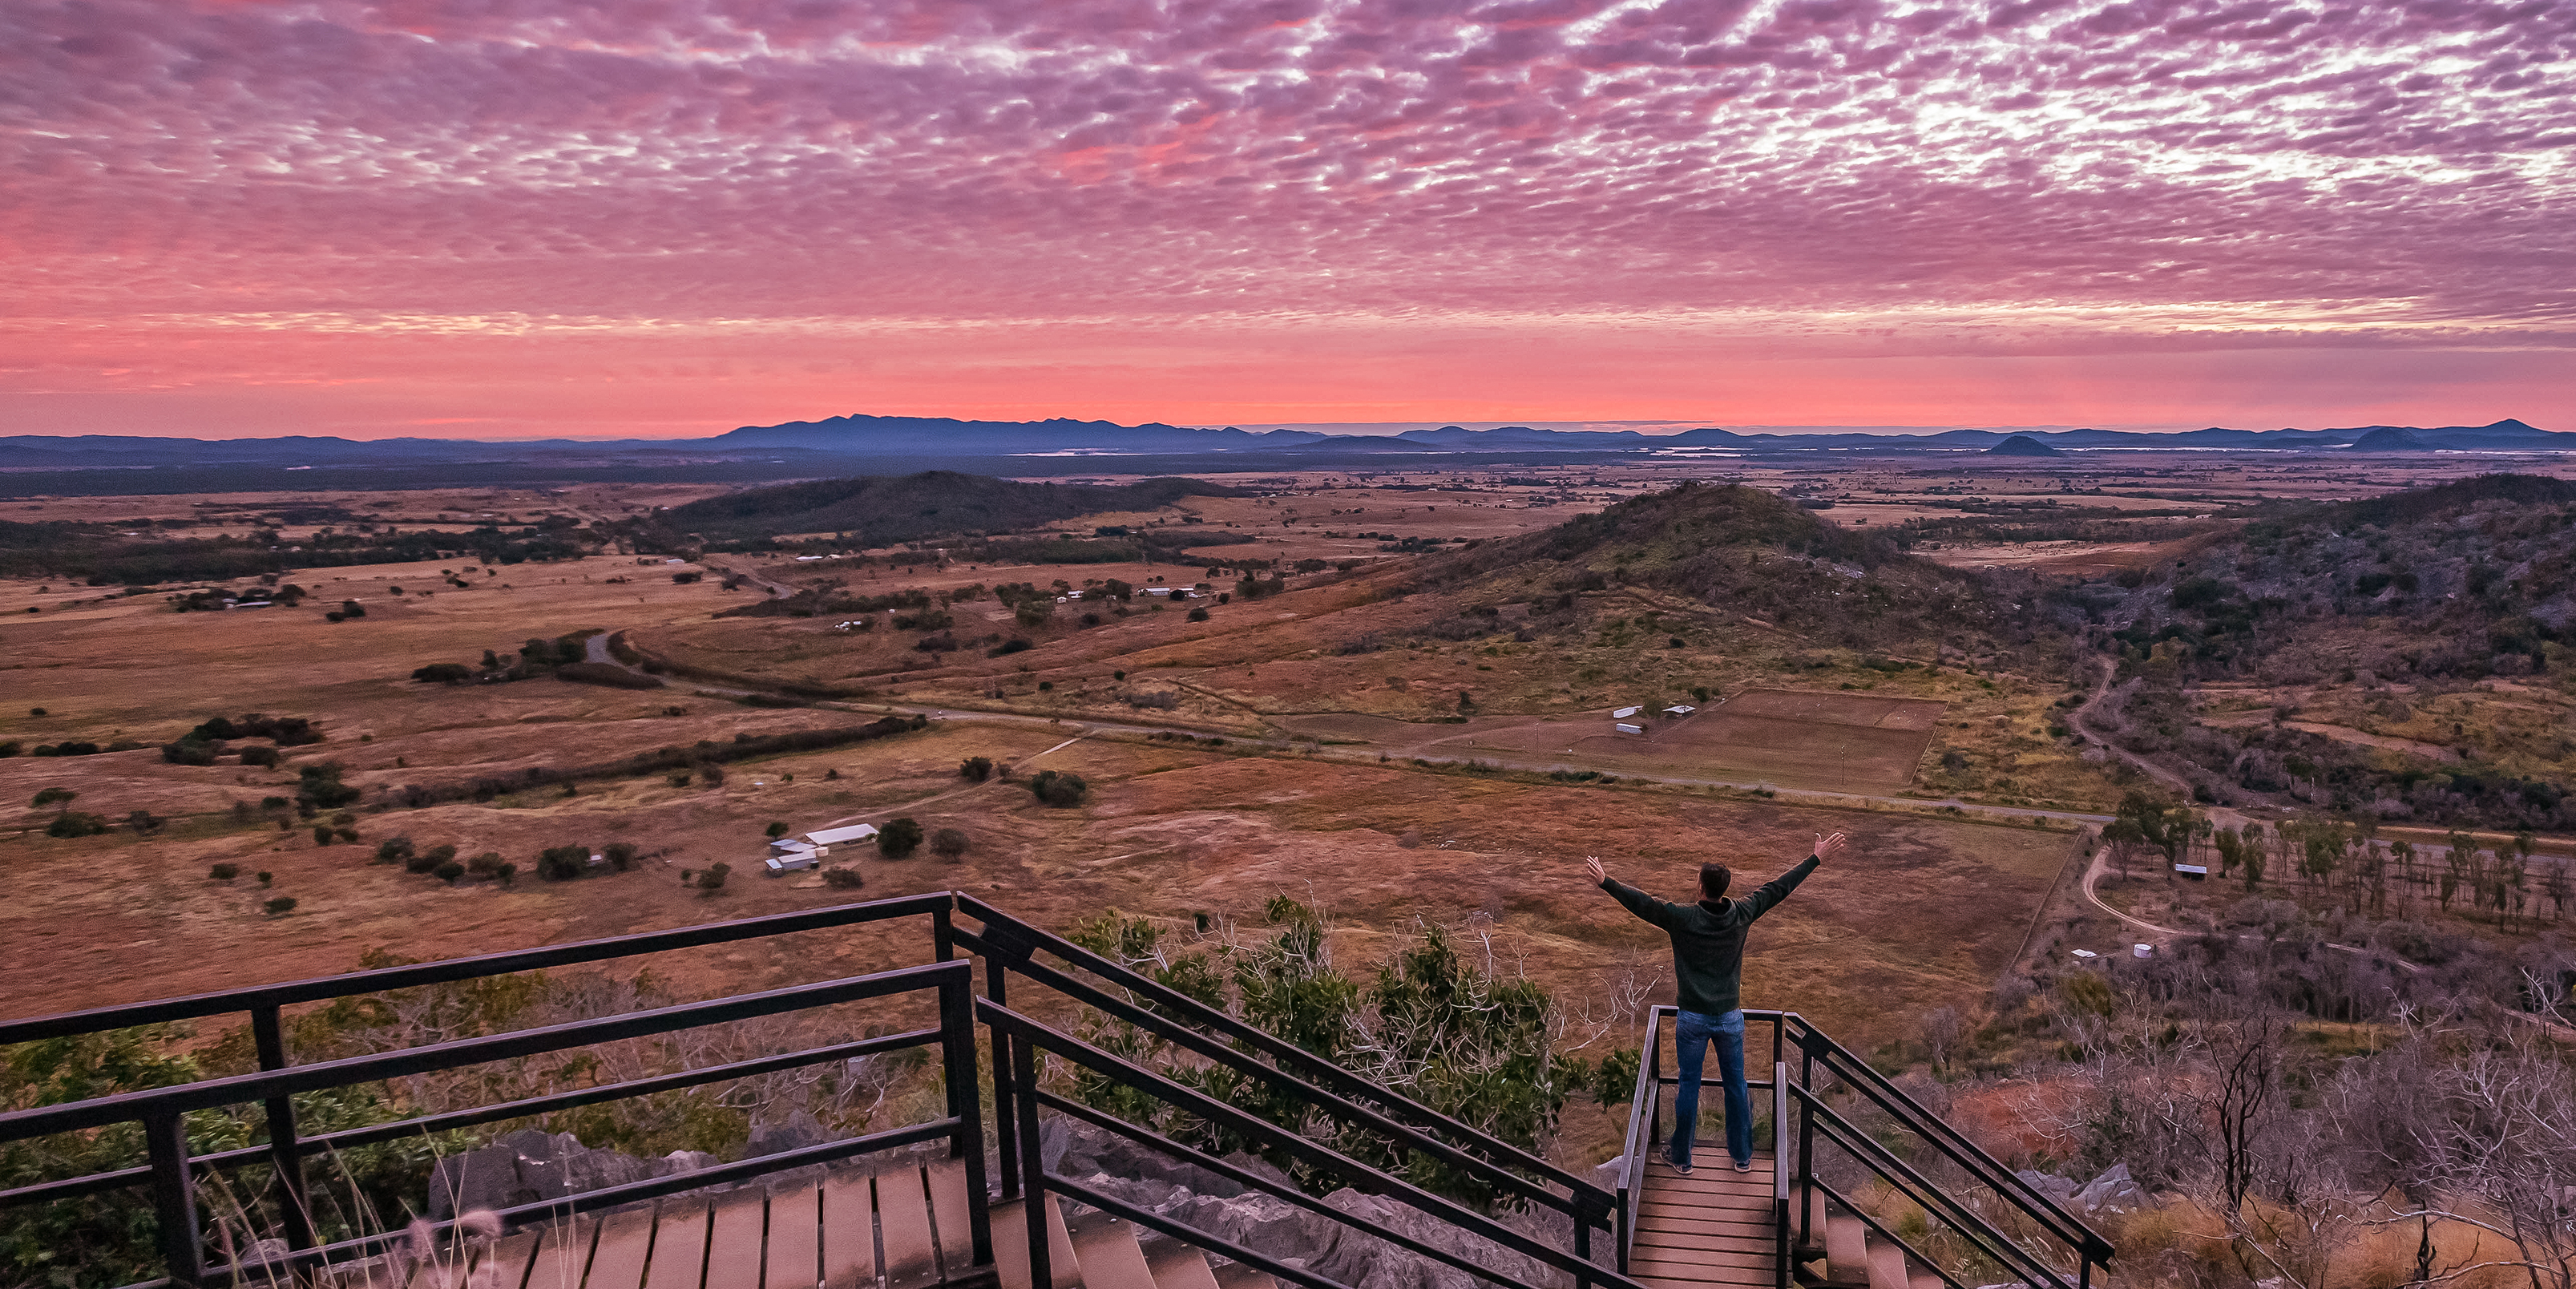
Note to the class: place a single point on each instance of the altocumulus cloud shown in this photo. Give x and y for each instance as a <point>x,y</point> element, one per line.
<point>812,163</point>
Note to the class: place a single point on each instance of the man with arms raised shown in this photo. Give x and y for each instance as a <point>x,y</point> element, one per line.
<point>1708,959</point>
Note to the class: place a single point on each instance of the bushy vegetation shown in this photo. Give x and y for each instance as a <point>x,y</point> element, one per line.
<point>102,555</point>
<point>1753,552</point>
<point>1057,788</point>
<point>2400,600</point>
<point>704,761</point>
<point>899,838</point>
<point>1484,1049</point>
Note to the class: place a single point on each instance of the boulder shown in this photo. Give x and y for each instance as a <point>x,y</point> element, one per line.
<point>798,1132</point>
<point>533,1167</point>
<point>2060,1189</point>
<point>2114,1190</point>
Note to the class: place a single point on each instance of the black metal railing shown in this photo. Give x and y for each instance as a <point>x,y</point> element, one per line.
<point>1026,1097</point>
<point>2061,1255</point>
<point>172,1172</point>
<point>1364,1118</point>
<point>1012,947</point>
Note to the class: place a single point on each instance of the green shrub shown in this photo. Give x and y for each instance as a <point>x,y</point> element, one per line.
<point>1055,788</point>
<point>621,855</point>
<point>562,863</point>
<point>448,872</point>
<point>1198,613</point>
<point>899,838</point>
<point>843,879</point>
<point>950,844</point>
<point>259,756</point>
<point>224,872</point>
<point>975,769</point>
<point>281,906</point>
<point>713,879</point>
<point>443,673</point>
<point>48,796</point>
<point>394,850</point>
<point>144,821</point>
<point>777,829</point>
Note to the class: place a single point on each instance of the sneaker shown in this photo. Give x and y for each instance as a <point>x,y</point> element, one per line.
<point>1678,1166</point>
<point>1744,1165</point>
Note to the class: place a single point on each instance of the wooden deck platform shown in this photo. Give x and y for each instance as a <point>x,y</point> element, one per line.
<point>900,1227</point>
<point>1713,1227</point>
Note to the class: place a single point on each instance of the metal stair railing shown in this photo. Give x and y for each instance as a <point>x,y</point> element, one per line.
<point>2086,1247</point>
<point>1010,947</point>
<point>1646,1126</point>
<point>266,1005</point>
<point>171,1174</point>
<point>1798,1098</point>
<point>1026,1098</point>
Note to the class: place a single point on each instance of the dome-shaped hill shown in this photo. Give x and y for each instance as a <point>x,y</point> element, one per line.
<point>2022,445</point>
<point>1755,553</point>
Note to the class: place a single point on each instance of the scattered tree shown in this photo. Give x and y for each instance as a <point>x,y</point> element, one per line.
<point>1056,788</point>
<point>224,872</point>
<point>949,844</point>
<point>899,838</point>
<point>281,906</point>
<point>975,769</point>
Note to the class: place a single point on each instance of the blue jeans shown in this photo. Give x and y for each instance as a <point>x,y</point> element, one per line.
<point>1692,1035</point>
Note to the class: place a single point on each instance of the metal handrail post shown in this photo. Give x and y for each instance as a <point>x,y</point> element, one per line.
<point>1006,1121</point>
<point>174,1200</point>
<point>957,1048</point>
<point>1780,1176</point>
<point>1806,1150</point>
<point>285,1152</point>
<point>1033,1192</point>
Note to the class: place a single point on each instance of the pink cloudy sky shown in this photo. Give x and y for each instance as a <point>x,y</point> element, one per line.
<point>494,218</point>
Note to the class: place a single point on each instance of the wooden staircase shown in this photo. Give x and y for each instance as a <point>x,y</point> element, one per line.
<point>1851,1255</point>
<point>902,1226</point>
<point>1101,1251</point>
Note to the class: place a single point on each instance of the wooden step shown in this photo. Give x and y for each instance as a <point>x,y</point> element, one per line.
<point>903,1225</point>
<point>617,1261</point>
<point>795,1258</point>
<point>849,1232</point>
<point>506,1266</point>
<point>1106,1247</point>
<point>1011,1246</point>
<point>948,1214</point>
<point>679,1244</point>
<point>1244,1275</point>
<point>734,1231</point>
<point>1886,1265</point>
<point>1178,1266</point>
<point>1846,1251</point>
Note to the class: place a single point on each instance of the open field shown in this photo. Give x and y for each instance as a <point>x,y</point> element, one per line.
<point>1924,911</point>
<point>1829,741</point>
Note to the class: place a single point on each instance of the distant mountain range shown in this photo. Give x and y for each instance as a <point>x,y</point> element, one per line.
<point>98,464</point>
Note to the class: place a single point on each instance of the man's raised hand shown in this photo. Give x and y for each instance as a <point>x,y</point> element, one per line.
<point>1592,865</point>
<point>1829,846</point>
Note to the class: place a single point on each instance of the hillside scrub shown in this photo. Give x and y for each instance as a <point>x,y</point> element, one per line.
<point>2285,1099</point>
<point>1488,1050</point>
<point>2399,608</point>
<point>1754,552</point>
<point>704,760</point>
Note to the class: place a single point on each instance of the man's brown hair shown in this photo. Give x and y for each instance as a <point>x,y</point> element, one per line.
<point>1713,880</point>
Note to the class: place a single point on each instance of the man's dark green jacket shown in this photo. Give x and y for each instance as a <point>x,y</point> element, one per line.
<point>1708,937</point>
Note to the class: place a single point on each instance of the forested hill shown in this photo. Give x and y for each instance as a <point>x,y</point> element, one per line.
<point>1760,555</point>
<point>878,510</point>
<point>2436,620</point>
